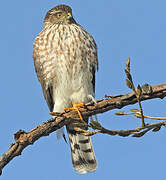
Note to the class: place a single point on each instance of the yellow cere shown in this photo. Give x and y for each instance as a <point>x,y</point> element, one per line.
<point>69,14</point>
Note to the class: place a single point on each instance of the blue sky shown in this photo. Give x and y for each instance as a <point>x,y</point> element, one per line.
<point>122,29</point>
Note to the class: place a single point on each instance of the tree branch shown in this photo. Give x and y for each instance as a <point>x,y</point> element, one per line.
<point>24,139</point>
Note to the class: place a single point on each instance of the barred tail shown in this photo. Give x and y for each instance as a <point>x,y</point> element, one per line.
<point>83,157</point>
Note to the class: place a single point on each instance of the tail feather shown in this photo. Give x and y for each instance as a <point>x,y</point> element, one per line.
<point>83,157</point>
<point>59,132</point>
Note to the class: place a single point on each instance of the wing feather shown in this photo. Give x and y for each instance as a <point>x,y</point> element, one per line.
<point>47,87</point>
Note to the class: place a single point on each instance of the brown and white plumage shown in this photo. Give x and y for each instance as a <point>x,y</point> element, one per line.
<point>65,59</point>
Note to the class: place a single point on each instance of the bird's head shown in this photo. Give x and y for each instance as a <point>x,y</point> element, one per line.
<point>60,14</point>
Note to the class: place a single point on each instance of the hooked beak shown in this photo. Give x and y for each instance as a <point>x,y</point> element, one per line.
<point>70,18</point>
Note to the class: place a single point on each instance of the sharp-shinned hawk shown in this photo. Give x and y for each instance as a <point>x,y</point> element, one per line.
<point>65,59</point>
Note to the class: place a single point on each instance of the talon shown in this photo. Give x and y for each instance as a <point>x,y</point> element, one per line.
<point>75,107</point>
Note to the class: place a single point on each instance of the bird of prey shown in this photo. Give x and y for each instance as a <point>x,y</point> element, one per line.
<point>65,60</point>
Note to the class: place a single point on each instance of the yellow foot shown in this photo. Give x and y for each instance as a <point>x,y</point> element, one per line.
<point>75,107</point>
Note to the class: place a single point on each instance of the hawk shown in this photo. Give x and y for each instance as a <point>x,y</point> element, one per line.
<point>65,60</point>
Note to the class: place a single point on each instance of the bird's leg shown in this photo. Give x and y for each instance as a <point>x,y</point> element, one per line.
<point>75,107</point>
<point>92,99</point>
<point>95,102</point>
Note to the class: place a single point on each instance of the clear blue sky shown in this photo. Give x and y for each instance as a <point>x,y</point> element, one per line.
<point>121,29</point>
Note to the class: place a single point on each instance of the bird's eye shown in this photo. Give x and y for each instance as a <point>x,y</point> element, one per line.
<point>59,15</point>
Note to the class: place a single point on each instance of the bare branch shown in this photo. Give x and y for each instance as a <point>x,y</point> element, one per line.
<point>138,91</point>
<point>137,114</point>
<point>137,132</point>
<point>23,139</point>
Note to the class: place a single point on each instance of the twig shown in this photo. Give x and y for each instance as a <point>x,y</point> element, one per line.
<point>137,113</point>
<point>138,91</point>
<point>137,132</point>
